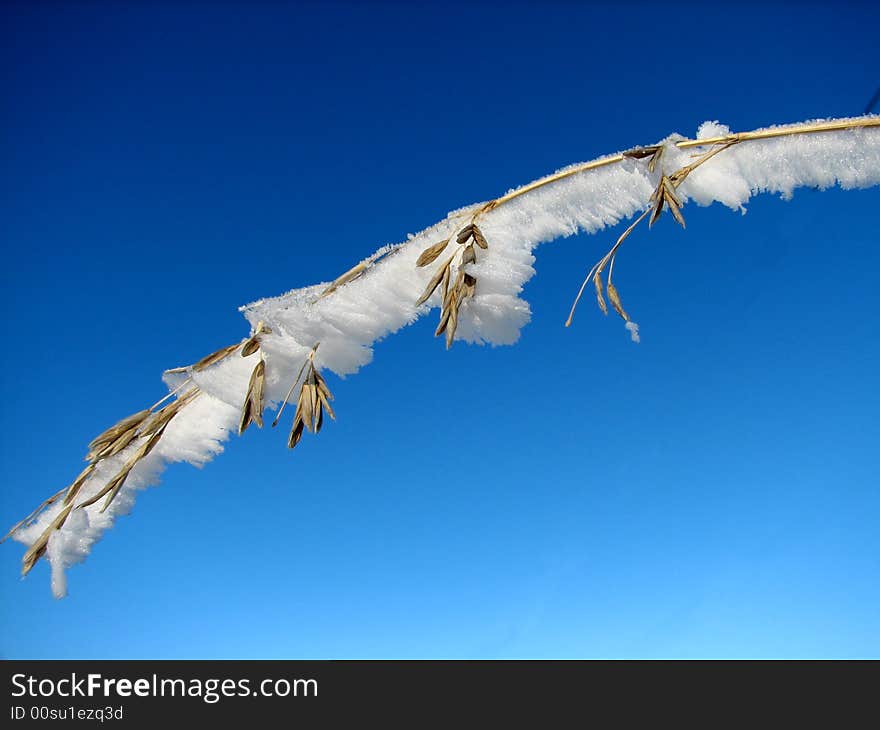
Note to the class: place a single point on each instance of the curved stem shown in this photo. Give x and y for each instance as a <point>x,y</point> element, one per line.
<point>726,140</point>
<point>597,267</point>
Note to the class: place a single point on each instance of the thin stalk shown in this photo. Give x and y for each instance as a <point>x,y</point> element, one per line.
<point>685,144</point>
<point>601,263</point>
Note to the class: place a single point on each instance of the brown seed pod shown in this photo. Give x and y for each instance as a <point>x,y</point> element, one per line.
<point>253,343</point>
<point>434,282</point>
<point>430,254</point>
<point>38,547</point>
<point>468,255</point>
<point>465,233</point>
<point>215,357</point>
<point>112,433</point>
<point>616,303</point>
<point>314,398</point>
<point>250,347</point>
<point>639,153</point>
<point>480,239</point>
<point>470,285</point>
<point>353,273</point>
<point>74,488</point>
<point>656,156</point>
<point>252,408</point>
<point>597,281</point>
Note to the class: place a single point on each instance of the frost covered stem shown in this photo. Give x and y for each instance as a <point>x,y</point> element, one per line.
<point>687,143</point>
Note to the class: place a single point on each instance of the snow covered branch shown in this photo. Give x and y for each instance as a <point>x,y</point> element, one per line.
<point>472,265</point>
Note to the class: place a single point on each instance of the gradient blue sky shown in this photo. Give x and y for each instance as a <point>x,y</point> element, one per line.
<point>710,492</point>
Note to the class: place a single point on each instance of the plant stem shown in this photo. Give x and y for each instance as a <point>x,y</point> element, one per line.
<point>790,131</point>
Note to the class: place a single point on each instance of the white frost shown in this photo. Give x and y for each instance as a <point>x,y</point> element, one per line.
<point>633,331</point>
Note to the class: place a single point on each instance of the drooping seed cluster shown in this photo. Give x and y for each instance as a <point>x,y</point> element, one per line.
<point>314,398</point>
<point>144,430</point>
<point>145,427</point>
<point>454,291</point>
<point>664,196</point>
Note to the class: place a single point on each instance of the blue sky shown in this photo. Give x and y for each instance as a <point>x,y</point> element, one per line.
<point>711,492</point>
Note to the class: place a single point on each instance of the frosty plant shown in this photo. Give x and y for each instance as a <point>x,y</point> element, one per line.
<point>472,265</point>
<point>314,399</point>
<point>664,195</point>
<point>463,287</point>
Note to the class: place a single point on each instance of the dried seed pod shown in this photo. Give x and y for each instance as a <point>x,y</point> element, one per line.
<point>673,202</point>
<point>430,254</point>
<point>112,433</point>
<point>597,280</point>
<point>77,483</point>
<point>465,233</point>
<point>480,239</point>
<point>453,290</point>
<point>460,290</point>
<point>319,415</point>
<point>325,403</point>
<point>356,271</point>
<point>616,303</point>
<point>308,412</point>
<point>322,385</point>
<point>657,210</point>
<point>434,282</point>
<point>296,433</point>
<point>452,324</point>
<point>215,357</point>
<point>252,408</point>
<point>444,284</point>
<point>299,415</point>
<point>142,452</point>
<point>250,347</point>
<point>123,441</point>
<point>670,189</point>
<point>656,156</point>
<point>38,547</point>
<point>353,273</point>
<point>470,285</point>
<point>657,198</point>
<point>468,255</point>
<point>161,418</point>
<point>258,380</point>
<point>31,518</point>
<point>253,344</point>
<point>119,480</point>
<point>112,487</point>
<point>444,320</point>
<point>676,211</point>
<point>639,153</point>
